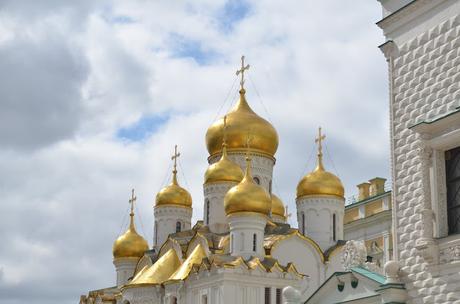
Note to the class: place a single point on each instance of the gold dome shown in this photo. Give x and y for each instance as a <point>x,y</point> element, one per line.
<point>277,206</point>
<point>320,182</point>
<point>224,170</point>
<point>241,121</point>
<point>130,244</point>
<point>173,194</point>
<point>247,196</point>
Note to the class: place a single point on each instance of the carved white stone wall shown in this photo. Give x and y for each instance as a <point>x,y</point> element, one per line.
<point>165,219</point>
<point>424,83</point>
<point>243,228</point>
<point>261,165</point>
<point>215,194</point>
<point>319,212</point>
<point>124,268</point>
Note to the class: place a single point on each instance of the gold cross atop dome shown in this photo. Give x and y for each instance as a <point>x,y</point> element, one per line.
<point>241,71</point>
<point>175,157</point>
<point>319,141</point>
<point>132,200</point>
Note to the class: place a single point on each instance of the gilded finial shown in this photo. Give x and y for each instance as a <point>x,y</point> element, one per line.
<point>132,200</point>
<point>319,141</point>
<point>174,158</point>
<point>241,71</point>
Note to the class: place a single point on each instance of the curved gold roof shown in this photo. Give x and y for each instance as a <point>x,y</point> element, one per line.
<point>173,194</point>
<point>247,196</point>
<point>320,182</point>
<point>277,206</point>
<point>224,170</point>
<point>130,244</point>
<point>159,272</point>
<point>241,121</point>
<point>194,258</point>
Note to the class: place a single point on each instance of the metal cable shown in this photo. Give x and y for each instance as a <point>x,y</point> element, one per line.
<point>226,99</point>
<point>260,98</point>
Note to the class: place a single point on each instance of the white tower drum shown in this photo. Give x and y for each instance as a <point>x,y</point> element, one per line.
<point>321,204</point>
<point>173,209</point>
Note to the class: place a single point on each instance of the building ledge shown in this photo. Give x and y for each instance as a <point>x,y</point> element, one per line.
<point>438,123</point>
<point>369,199</point>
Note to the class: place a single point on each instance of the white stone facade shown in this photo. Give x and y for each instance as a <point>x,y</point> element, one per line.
<point>423,53</point>
<point>213,211</point>
<point>316,216</point>
<point>124,268</point>
<point>167,218</point>
<point>247,234</point>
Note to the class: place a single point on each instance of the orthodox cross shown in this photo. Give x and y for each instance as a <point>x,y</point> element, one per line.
<point>132,200</point>
<point>319,141</point>
<point>241,71</point>
<point>287,214</point>
<point>175,157</point>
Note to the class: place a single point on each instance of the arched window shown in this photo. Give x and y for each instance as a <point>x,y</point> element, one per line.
<point>156,233</point>
<point>207,212</point>
<point>270,187</point>
<point>254,242</point>
<point>334,236</point>
<point>173,300</point>
<point>256,180</point>
<point>178,227</point>
<point>242,241</point>
<point>303,223</point>
<point>231,243</point>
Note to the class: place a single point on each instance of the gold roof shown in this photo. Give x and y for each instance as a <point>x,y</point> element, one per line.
<point>224,170</point>
<point>320,182</point>
<point>173,194</point>
<point>194,258</point>
<point>247,196</point>
<point>130,244</point>
<point>242,120</point>
<point>159,272</point>
<point>277,206</point>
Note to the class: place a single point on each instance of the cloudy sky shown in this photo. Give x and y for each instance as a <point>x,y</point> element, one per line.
<point>94,95</point>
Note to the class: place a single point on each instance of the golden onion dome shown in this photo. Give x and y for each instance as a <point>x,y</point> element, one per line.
<point>174,195</point>
<point>224,170</point>
<point>247,196</point>
<point>320,181</point>
<point>277,206</point>
<point>241,121</point>
<point>130,244</point>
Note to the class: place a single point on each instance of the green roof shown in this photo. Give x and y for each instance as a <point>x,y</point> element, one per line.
<point>369,274</point>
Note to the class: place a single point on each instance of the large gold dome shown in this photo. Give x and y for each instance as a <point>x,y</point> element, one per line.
<point>224,170</point>
<point>130,244</point>
<point>242,120</point>
<point>173,195</point>
<point>320,182</point>
<point>247,196</point>
<point>277,206</point>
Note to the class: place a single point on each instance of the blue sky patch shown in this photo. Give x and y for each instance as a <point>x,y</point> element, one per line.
<point>183,47</point>
<point>232,12</point>
<point>143,128</point>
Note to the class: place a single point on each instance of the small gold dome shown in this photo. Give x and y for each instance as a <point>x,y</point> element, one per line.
<point>130,244</point>
<point>241,121</point>
<point>320,182</point>
<point>224,170</point>
<point>277,206</point>
<point>173,194</point>
<point>247,196</point>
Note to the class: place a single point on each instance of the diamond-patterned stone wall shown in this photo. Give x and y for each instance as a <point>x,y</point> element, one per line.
<point>426,83</point>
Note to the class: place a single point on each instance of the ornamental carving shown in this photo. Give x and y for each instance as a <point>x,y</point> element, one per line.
<point>354,254</point>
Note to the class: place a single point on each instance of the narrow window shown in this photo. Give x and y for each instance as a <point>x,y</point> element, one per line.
<point>242,242</point>
<point>207,212</point>
<point>174,300</point>
<point>256,180</point>
<point>278,295</point>
<point>231,243</point>
<point>267,295</point>
<point>178,227</point>
<point>333,228</point>
<point>270,187</point>
<point>453,189</point>
<point>156,233</point>
<point>204,299</point>
<point>254,242</point>
<point>303,223</point>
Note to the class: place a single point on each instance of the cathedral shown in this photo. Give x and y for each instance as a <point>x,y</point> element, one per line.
<point>243,250</point>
